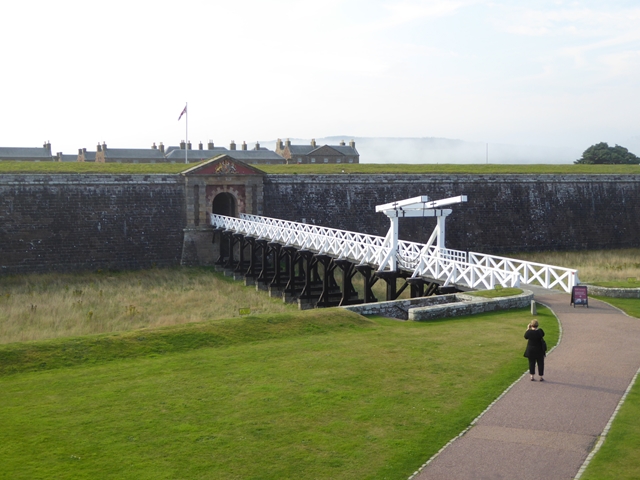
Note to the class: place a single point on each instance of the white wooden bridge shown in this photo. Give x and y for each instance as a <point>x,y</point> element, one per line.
<point>387,254</point>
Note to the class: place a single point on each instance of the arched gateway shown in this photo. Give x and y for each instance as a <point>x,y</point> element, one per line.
<point>224,186</point>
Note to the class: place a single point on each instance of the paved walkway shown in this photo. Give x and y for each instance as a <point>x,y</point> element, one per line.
<point>547,429</point>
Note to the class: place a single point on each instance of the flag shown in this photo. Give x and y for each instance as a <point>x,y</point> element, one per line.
<point>184,110</point>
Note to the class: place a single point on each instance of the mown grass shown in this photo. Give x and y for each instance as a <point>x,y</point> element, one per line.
<point>92,167</point>
<point>449,169</point>
<point>618,284</point>
<point>618,457</point>
<point>592,265</point>
<point>328,169</point>
<point>342,397</point>
<point>92,349</point>
<point>38,307</point>
<point>496,293</point>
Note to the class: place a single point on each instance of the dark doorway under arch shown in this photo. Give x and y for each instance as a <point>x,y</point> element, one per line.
<point>224,204</point>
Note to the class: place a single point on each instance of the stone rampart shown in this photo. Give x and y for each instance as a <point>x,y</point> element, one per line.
<point>99,221</point>
<point>89,222</point>
<point>504,213</point>
<point>613,292</point>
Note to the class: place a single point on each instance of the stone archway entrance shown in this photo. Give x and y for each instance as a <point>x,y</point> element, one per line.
<point>224,204</point>
<point>222,186</point>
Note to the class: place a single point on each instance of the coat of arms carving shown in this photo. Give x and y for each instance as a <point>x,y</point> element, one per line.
<point>225,167</point>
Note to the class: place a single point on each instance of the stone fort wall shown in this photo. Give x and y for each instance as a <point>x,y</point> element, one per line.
<point>504,213</point>
<point>90,222</point>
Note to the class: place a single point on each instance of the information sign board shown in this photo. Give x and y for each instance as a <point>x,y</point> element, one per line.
<point>579,296</point>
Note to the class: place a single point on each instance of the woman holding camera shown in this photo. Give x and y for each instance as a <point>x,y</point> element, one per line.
<point>535,351</point>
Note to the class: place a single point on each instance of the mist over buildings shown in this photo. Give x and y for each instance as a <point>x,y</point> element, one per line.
<point>443,150</point>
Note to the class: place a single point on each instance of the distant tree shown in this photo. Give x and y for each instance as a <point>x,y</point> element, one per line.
<point>603,153</point>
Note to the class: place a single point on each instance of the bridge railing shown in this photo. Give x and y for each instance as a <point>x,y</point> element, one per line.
<point>451,266</point>
<point>547,276</point>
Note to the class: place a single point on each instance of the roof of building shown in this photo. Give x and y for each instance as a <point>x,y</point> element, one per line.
<point>308,149</point>
<point>20,153</point>
<point>68,158</point>
<point>133,153</point>
<point>176,153</point>
<point>89,156</point>
<point>249,155</point>
<point>345,149</point>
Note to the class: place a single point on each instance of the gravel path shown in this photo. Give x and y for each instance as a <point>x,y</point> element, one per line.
<point>547,429</point>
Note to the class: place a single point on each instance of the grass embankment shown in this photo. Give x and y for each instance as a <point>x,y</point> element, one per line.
<point>497,293</point>
<point>328,169</point>
<point>596,266</point>
<point>451,169</point>
<point>38,307</point>
<point>630,283</point>
<point>618,457</point>
<point>327,394</point>
<point>92,167</point>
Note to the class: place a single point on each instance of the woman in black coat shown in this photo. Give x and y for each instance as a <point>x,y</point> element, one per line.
<point>535,351</point>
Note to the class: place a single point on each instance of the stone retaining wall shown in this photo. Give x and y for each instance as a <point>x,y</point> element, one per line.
<point>613,292</point>
<point>469,305</point>
<point>400,308</point>
<point>89,222</point>
<point>504,213</point>
<point>442,306</point>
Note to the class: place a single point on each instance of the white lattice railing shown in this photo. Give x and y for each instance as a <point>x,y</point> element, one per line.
<point>547,276</point>
<point>449,266</point>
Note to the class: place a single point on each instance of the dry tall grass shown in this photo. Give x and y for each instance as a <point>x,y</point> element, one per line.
<point>592,265</point>
<point>37,307</point>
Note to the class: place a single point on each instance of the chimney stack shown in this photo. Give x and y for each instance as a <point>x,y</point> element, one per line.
<point>104,147</point>
<point>182,145</point>
<point>244,145</point>
<point>189,145</point>
<point>232,146</point>
<point>279,145</point>
<point>99,148</point>
<point>287,143</point>
<point>352,144</point>
<point>79,151</point>
<point>210,145</point>
<point>257,145</point>
<point>342,143</point>
<point>313,142</point>
<point>200,146</point>
<point>154,146</point>
<point>161,148</point>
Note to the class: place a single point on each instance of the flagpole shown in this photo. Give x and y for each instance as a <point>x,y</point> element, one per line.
<point>186,133</point>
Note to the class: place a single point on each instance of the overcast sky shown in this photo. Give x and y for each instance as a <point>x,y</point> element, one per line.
<point>554,73</point>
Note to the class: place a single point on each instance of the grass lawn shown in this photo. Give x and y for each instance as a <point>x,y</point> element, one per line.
<point>324,395</point>
<point>632,283</point>
<point>329,169</point>
<point>618,457</point>
<point>594,266</point>
<point>497,293</point>
<point>38,307</point>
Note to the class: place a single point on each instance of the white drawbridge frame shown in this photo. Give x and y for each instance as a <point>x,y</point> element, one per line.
<point>452,267</point>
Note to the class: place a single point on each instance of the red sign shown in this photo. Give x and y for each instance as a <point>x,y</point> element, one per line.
<point>579,296</point>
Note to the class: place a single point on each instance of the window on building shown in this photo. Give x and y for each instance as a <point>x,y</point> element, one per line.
<point>351,160</point>
<point>326,160</point>
<point>313,160</point>
<point>339,160</point>
<point>299,160</point>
